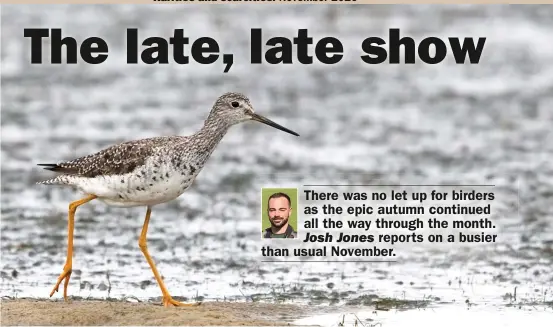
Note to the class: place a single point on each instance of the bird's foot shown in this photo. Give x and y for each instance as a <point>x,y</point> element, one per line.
<point>168,301</point>
<point>65,275</point>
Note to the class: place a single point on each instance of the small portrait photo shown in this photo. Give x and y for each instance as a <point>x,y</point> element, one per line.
<point>279,212</point>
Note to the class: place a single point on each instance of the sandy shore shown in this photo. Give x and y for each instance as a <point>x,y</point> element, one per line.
<point>97,312</point>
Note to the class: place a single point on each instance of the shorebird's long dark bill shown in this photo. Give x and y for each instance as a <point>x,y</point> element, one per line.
<point>269,122</point>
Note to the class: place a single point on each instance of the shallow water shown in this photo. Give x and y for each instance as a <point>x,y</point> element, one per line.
<point>435,316</point>
<point>416,124</point>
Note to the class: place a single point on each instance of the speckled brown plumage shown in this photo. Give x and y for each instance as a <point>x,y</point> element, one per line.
<point>158,169</point>
<point>116,160</point>
<point>125,157</point>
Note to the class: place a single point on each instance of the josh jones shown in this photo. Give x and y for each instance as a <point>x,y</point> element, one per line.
<point>342,238</point>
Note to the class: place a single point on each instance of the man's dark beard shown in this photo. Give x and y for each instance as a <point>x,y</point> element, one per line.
<point>282,222</point>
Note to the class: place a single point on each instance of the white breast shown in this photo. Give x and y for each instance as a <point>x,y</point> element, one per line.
<point>149,185</point>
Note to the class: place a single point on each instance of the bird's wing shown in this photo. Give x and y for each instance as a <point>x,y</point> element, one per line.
<point>117,159</point>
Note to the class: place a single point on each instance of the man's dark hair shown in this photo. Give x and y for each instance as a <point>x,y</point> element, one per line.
<point>280,195</point>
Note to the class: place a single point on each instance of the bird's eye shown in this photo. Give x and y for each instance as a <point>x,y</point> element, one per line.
<point>235,104</point>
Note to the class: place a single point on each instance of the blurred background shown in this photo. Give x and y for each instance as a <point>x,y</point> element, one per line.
<point>470,124</point>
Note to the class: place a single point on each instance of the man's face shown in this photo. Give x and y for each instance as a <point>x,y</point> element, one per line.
<point>279,211</point>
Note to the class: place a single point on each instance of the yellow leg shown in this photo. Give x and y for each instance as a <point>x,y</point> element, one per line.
<point>66,274</point>
<point>167,299</point>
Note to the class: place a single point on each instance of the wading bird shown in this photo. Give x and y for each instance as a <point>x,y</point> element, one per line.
<point>148,172</point>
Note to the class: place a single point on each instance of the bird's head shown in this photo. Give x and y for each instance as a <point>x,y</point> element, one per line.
<point>234,108</point>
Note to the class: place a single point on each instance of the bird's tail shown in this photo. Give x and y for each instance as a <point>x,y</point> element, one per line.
<point>51,167</point>
<point>58,180</point>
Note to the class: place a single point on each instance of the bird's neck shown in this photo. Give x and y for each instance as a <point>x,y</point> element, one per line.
<point>210,135</point>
